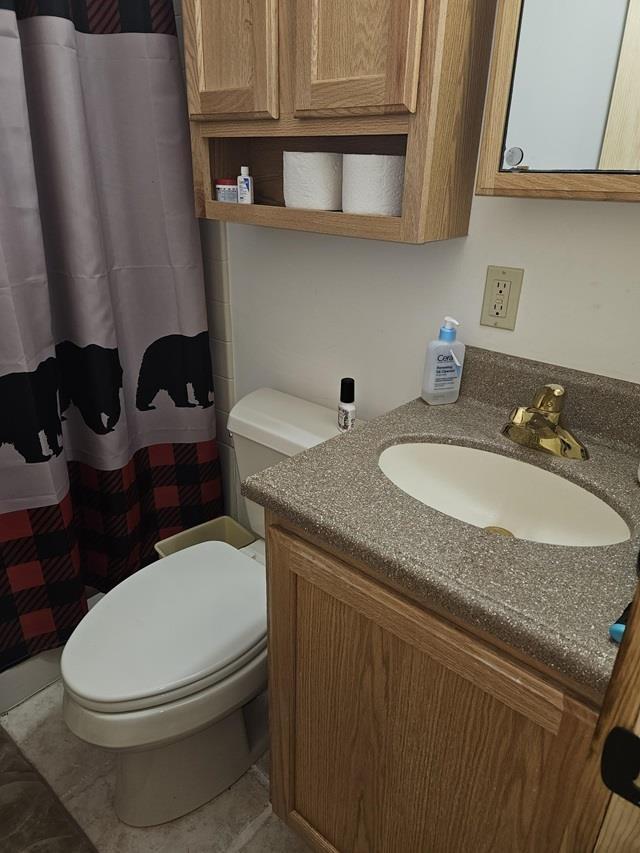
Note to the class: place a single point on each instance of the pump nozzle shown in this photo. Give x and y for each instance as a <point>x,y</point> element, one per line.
<point>448,329</point>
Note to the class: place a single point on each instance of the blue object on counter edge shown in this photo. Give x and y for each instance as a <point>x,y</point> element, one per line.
<point>616,631</point>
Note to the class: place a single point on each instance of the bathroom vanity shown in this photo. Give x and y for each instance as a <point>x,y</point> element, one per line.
<point>435,686</point>
<point>395,729</point>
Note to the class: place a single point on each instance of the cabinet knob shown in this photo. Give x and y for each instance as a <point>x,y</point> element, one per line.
<point>620,764</point>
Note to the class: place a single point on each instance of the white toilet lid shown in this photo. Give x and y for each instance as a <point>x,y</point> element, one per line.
<point>175,622</point>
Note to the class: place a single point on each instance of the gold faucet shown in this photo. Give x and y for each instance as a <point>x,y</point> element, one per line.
<point>538,426</point>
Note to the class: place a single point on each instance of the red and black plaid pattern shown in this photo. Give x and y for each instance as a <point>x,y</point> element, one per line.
<point>103,16</point>
<point>101,533</point>
<point>122,514</point>
<point>41,590</point>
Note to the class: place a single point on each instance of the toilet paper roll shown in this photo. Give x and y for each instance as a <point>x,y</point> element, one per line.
<point>312,180</point>
<point>372,183</point>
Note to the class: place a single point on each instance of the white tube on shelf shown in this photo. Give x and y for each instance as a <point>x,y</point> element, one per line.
<point>312,180</point>
<point>373,184</point>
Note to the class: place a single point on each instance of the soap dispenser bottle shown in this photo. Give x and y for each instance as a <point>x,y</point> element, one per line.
<point>443,366</point>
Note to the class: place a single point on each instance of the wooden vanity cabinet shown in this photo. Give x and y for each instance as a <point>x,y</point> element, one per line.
<point>394,731</point>
<point>382,77</point>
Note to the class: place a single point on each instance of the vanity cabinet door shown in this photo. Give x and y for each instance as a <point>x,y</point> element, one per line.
<point>392,730</point>
<point>231,56</point>
<point>357,56</point>
<point>613,825</point>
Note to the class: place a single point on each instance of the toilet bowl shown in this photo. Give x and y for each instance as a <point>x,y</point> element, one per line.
<point>169,669</point>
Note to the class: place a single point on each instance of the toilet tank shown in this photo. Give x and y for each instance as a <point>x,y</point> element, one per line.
<point>269,426</point>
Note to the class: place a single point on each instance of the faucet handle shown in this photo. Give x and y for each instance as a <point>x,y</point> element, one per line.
<point>549,399</point>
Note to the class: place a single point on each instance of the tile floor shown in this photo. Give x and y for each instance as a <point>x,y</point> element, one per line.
<point>238,821</point>
<point>31,816</point>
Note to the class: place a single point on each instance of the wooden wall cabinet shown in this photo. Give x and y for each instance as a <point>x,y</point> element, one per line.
<point>394,731</point>
<point>232,60</point>
<point>357,57</point>
<point>355,76</point>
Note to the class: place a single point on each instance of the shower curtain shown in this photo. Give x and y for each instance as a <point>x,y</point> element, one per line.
<point>107,437</point>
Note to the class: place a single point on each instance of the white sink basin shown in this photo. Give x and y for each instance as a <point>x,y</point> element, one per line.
<point>493,491</point>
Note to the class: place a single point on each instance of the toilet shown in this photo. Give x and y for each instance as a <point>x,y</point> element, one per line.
<point>169,669</point>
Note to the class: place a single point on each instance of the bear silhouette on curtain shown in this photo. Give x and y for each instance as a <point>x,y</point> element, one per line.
<point>173,363</point>
<point>28,407</point>
<point>90,379</point>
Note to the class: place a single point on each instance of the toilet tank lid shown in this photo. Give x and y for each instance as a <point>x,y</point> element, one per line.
<point>284,423</point>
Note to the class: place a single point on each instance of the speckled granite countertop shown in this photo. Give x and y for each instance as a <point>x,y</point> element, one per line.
<point>553,603</point>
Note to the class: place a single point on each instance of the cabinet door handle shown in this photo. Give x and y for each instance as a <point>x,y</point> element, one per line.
<point>620,764</point>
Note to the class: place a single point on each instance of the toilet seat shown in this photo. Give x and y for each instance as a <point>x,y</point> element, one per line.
<point>170,696</point>
<point>151,727</point>
<point>175,628</point>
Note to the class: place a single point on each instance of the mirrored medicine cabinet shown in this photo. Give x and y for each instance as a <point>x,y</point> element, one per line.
<point>562,118</point>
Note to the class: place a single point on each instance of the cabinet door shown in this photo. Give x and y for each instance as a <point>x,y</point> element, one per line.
<point>392,730</point>
<point>612,825</point>
<point>231,53</point>
<point>357,56</point>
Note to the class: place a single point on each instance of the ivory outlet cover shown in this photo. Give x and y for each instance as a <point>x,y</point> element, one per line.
<point>501,297</point>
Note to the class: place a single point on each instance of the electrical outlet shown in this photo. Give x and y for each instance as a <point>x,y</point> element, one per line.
<point>501,293</point>
<point>501,297</point>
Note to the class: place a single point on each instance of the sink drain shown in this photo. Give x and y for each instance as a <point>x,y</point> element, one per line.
<point>500,531</point>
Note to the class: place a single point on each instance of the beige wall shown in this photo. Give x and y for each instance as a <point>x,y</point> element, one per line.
<point>308,309</point>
